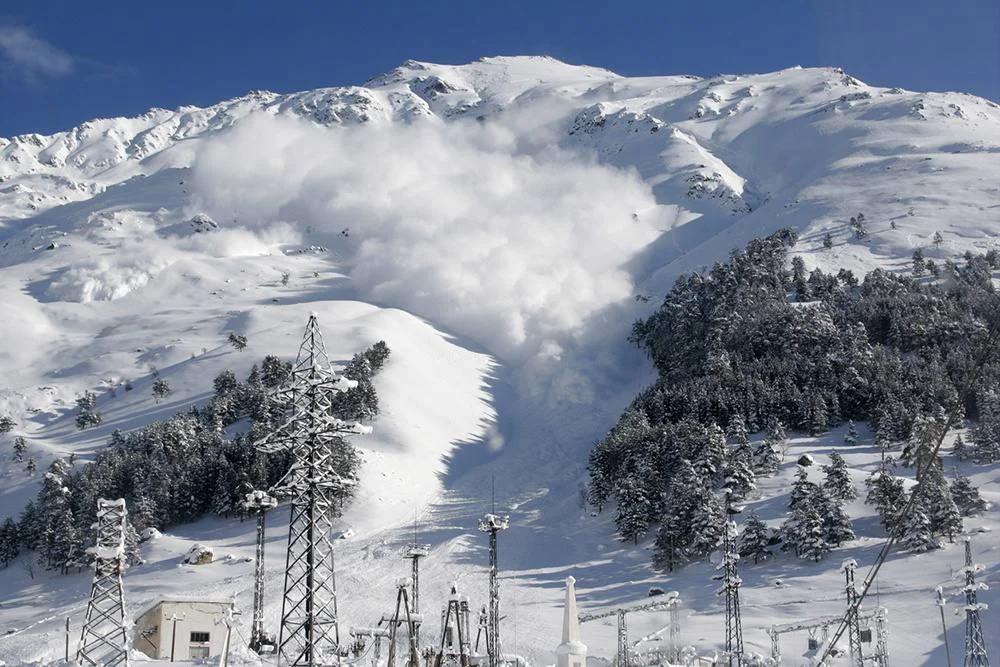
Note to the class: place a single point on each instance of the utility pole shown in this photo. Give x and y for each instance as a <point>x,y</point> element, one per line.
<point>415,552</point>
<point>853,607</point>
<point>309,633</point>
<point>975,644</point>
<point>944,627</point>
<point>493,524</point>
<point>173,635</point>
<point>103,640</point>
<point>258,502</point>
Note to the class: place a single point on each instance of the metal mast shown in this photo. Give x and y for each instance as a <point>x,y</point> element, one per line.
<point>853,607</point>
<point>309,633</point>
<point>731,589</point>
<point>493,524</point>
<point>259,502</point>
<point>103,641</point>
<point>415,553</point>
<point>975,645</point>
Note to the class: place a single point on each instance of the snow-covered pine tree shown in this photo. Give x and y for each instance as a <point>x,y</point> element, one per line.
<point>755,539</point>
<point>59,537</point>
<point>737,430</point>
<point>709,461</point>
<point>967,497</point>
<point>670,549</point>
<point>802,488</point>
<point>20,447</point>
<point>633,510</point>
<point>851,437</point>
<point>87,414</point>
<point>767,457</point>
<point>917,534</point>
<point>837,527</point>
<point>960,450</point>
<point>923,438</point>
<point>838,482</point>
<point>986,434</point>
<point>886,493</point>
<point>708,524</point>
<point>10,541</point>
<point>942,511</point>
<point>803,531</point>
<point>738,474</point>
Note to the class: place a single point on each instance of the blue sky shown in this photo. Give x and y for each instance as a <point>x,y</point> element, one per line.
<point>65,62</point>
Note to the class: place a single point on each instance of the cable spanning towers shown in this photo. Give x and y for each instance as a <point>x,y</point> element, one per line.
<point>309,633</point>
<point>103,641</point>
<point>493,524</point>
<point>975,644</point>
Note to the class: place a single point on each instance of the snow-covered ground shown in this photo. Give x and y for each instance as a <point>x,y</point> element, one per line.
<point>494,223</point>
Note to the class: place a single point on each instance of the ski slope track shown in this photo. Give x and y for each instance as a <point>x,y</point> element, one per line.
<point>500,225</point>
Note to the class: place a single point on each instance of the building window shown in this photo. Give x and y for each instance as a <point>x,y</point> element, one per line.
<point>198,652</point>
<point>197,637</point>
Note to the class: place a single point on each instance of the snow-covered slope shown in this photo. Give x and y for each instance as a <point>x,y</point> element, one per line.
<point>495,223</point>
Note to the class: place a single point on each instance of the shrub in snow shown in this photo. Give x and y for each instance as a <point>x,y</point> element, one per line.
<point>199,555</point>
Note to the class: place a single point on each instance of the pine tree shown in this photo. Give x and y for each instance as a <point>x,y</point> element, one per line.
<point>967,497</point>
<point>738,474</point>
<point>59,536</point>
<point>708,524</point>
<point>837,527</point>
<point>632,508</point>
<point>87,414</point>
<point>803,531</point>
<point>20,447</point>
<point>838,481</point>
<point>767,456</point>
<point>917,534</point>
<point>851,437</point>
<point>960,450</point>
<point>10,541</point>
<point>919,267</point>
<point>942,511</point>
<point>161,389</point>
<point>887,493</point>
<point>670,550</point>
<point>709,461</point>
<point>923,439</point>
<point>802,488</point>
<point>31,466</point>
<point>737,430</point>
<point>755,539</point>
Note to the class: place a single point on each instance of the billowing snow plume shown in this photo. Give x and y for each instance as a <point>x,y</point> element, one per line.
<point>459,223</point>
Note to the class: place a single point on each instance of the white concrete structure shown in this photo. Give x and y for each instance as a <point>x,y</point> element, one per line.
<point>182,629</point>
<point>571,652</point>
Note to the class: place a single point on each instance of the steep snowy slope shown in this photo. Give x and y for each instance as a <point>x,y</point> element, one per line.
<point>498,224</point>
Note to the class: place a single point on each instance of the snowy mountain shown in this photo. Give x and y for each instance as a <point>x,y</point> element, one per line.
<point>500,224</point>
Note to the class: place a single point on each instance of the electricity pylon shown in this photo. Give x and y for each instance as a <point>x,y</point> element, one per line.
<point>309,633</point>
<point>853,607</point>
<point>103,641</point>
<point>975,644</point>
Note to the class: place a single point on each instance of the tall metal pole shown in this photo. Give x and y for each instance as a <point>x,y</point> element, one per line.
<point>309,634</point>
<point>853,607</point>
<point>944,627</point>
<point>493,524</point>
<point>258,502</point>
<point>731,588</point>
<point>103,640</point>
<point>975,644</point>
<point>415,553</point>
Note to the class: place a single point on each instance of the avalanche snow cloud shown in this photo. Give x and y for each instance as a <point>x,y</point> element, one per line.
<point>512,243</point>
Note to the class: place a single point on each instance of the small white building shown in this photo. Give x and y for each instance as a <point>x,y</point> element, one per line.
<point>182,629</point>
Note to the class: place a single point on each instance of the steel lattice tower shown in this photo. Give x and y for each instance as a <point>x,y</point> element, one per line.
<point>258,502</point>
<point>309,633</point>
<point>493,524</point>
<point>415,553</point>
<point>731,589</point>
<point>853,607</point>
<point>975,644</point>
<point>103,640</point>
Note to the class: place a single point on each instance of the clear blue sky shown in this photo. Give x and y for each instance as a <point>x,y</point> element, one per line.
<point>64,62</point>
